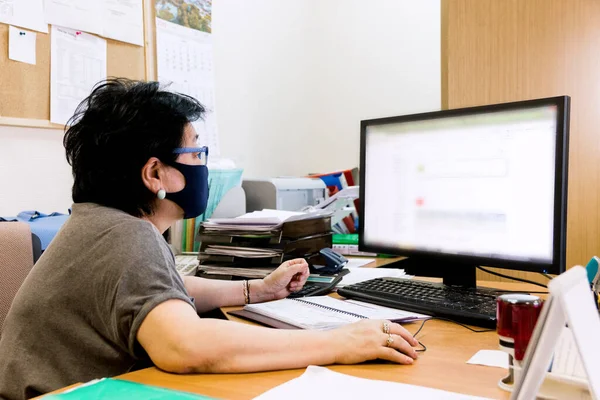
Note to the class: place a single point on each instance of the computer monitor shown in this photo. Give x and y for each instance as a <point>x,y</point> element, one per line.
<point>456,189</point>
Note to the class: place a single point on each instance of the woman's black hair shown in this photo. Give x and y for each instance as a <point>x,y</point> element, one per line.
<point>115,131</point>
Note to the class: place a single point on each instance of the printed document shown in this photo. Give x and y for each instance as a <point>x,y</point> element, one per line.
<point>24,13</point>
<point>78,62</point>
<point>82,15</point>
<point>124,21</point>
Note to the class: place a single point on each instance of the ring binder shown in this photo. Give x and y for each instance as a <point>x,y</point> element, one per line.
<point>319,312</point>
<point>332,309</point>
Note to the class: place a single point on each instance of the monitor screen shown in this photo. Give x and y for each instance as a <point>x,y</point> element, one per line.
<point>486,184</point>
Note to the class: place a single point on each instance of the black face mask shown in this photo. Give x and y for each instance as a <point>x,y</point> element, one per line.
<point>193,198</point>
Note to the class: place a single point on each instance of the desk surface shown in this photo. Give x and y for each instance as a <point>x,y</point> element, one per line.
<point>442,366</point>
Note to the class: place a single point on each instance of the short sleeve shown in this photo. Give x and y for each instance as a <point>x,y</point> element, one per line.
<point>148,279</point>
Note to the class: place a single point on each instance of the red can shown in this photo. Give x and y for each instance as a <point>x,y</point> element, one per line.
<point>517,314</point>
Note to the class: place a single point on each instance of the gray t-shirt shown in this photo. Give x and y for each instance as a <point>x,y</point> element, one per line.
<point>77,315</point>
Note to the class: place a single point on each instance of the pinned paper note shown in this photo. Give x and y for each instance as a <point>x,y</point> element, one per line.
<point>21,45</point>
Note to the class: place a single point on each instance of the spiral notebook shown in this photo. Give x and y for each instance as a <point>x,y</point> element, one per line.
<point>320,312</point>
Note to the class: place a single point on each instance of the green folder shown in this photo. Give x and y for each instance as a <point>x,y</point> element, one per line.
<point>348,238</point>
<point>116,389</point>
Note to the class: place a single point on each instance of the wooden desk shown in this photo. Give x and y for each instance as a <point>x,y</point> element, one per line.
<point>442,366</point>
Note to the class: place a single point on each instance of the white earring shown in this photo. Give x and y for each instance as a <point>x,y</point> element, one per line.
<point>161,194</point>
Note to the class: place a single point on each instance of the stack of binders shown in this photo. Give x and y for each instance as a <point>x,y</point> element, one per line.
<point>253,245</point>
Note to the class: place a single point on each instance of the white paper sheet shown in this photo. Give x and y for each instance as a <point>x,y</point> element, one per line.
<point>21,45</point>
<point>81,15</point>
<point>124,21</point>
<point>364,274</point>
<point>266,213</point>
<point>185,59</point>
<point>24,13</point>
<point>322,383</point>
<point>358,262</point>
<point>78,62</point>
<point>490,358</point>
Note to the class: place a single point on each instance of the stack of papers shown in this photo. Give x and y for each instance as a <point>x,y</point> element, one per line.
<point>251,273</point>
<point>244,252</point>
<point>259,221</point>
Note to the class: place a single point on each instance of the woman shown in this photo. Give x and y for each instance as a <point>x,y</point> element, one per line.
<point>105,297</point>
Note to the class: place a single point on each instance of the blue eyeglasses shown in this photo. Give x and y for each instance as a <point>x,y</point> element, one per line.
<point>202,151</point>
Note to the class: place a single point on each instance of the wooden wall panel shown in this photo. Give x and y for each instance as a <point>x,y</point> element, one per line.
<point>508,50</point>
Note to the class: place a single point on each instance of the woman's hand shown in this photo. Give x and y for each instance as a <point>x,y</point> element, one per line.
<point>365,340</point>
<point>287,278</point>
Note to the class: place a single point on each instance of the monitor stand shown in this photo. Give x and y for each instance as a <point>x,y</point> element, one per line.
<point>452,273</point>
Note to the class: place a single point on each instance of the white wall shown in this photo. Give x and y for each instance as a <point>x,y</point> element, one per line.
<point>294,78</point>
<point>34,174</point>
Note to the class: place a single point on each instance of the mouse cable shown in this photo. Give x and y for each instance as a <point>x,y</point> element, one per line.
<point>514,278</point>
<point>447,320</point>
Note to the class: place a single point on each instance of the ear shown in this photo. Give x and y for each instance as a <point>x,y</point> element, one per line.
<point>152,173</point>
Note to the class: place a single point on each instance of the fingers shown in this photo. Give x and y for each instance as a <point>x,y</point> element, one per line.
<point>402,345</point>
<point>390,354</point>
<point>399,330</point>
<point>298,268</point>
<point>296,264</point>
<point>295,286</point>
<point>297,271</point>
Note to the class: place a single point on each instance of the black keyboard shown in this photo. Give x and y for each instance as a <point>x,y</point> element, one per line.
<point>467,305</point>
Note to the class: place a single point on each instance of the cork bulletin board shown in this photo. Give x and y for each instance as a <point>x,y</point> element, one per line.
<point>25,88</point>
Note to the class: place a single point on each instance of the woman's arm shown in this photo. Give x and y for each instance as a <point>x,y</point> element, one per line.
<point>178,341</point>
<point>214,293</point>
<point>211,293</point>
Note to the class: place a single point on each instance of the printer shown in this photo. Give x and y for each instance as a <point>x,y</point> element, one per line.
<point>286,193</point>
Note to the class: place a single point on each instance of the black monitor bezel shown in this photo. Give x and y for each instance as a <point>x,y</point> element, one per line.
<point>560,187</point>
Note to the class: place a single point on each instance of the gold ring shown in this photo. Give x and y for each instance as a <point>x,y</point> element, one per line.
<point>389,340</point>
<point>386,328</point>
